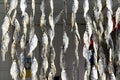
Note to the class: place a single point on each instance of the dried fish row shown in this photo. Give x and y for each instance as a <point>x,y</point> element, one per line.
<point>44,52</point>
<point>62,56</point>
<point>51,33</point>
<point>5,27</point>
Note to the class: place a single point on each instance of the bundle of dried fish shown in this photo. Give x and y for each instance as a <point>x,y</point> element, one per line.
<point>62,56</point>
<point>14,70</point>
<point>52,23</point>
<point>52,71</point>
<point>16,35</point>
<point>44,57</point>
<point>34,69</point>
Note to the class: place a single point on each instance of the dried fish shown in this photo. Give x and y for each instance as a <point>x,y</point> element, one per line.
<point>14,70</point>
<point>117,17</point>
<point>52,71</point>
<point>85,7</point>
<point>34,69</point>
<point>94,73</point>
<point>21,65</point>
<point>5,44</point>
<point>33,7</point>
<point>44,57</point>
<point>42,19</point>
<point>109,5</point>
<point>23,6</point>
<point>13,5</point>
<point>33,44</point>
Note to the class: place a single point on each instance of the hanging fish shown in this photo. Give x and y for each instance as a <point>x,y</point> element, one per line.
<point>117,16</point>
<point>109,5</point>
<point>65,41</point>
<point>33,44</point>
<point>74,11</point>
<point>42,18</point>
<point>21,65</point>
<point>4,45</point>
<point>22,42</point>
<point>5,25</point>
<point>17,30</point>
<point>13,50</point>
<point>23,6</point>
<point>63,75</point>
<point>86,39</point>
<point>85,7</point>
<point>14,70</point>
<point>94,73</point>
<point>34,69</point>
<point>33,7</point>
<point>14,16</point>
<point>6,4</point>
<point>13,5</point>
<point>45,40</point>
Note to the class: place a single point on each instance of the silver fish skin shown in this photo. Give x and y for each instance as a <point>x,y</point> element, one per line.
<point>94,74</point>
<point>33,7</point>
<point>109,5</point>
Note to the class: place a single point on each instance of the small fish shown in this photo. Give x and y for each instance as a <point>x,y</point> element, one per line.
<point>94,73</point>
<point>86,39</point>
<point>85,7</point>
<point>14,70</point>
<point>13,50</point>
<point>5,25</point>
<point>109,6</point>
<point>17,30</point>
<point>63,75</point>
<point>23,6</point>
<point>45,40</point>
<point>110,23</point>
<point>51,35</point>
<point>34,69</point>
<point>23,42</point>
<point>13,5</point>
<point>42,19</point>
<point>33,7</point>
<point>33,44</point>
<point>85,53</point>
<point>75,6</point>
<point>117,16</point>
<point>4,45</point>
<point>25,18</point>
<point>21,65</point>
<point>65,41</point>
